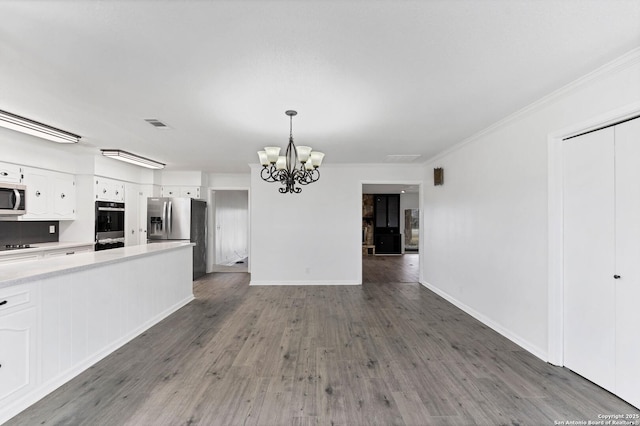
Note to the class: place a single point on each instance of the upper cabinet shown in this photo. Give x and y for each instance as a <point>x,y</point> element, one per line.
<point>109,190</point>
<point>181,191</point>
<point>10,173</point>
<point>50,195</point>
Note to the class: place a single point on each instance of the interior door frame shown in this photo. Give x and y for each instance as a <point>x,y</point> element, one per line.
<point>420,185</point>
<point>555,252</point>
<point>211,201</point>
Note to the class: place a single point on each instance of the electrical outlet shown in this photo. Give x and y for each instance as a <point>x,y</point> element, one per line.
<point>52,229</point>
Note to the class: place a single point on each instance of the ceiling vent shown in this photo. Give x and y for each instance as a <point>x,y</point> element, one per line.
<point>156,123</point>
<point>402,158</point>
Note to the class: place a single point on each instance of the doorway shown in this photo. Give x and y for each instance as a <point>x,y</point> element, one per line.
<point>230,230</point>
<point>401,263</point>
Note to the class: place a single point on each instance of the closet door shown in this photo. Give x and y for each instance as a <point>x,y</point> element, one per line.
<point>589,262</point>
<point>627,310</point>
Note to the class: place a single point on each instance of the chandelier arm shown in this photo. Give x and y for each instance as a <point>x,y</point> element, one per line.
<point>268,173</point>
<point>311,176</point>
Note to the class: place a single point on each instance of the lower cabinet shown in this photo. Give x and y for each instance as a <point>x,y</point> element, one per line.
<point>388,244</point>
<point>18,343</point>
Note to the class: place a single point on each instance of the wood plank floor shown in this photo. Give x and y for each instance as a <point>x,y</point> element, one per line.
<point>385,353</point>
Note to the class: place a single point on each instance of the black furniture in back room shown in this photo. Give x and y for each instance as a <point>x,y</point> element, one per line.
<point>387,237</point>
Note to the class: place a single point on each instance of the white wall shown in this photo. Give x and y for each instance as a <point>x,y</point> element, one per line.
<point>230,180</point>
<point>114,169</point>
<point>315,237</point>
<point>27,150</point>
<point>485,243</point>
<point>185,178</point>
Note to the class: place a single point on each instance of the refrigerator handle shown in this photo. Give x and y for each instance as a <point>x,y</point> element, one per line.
<point>164,216</point>
<point>170,217</point>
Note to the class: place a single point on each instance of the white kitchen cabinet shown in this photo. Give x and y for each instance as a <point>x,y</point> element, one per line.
<point>64,197</point>
<point>181,191</point>
<point>18,334</point>
<point>11,173</point>
<point>50,195</point>
<point>109,190</point>
<point>38,194</point>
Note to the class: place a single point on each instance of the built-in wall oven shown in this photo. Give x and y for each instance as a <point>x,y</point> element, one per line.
<point>12,198</point>
<point>109,225</point>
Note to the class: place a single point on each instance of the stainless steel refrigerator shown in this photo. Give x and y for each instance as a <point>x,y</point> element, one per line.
<point>180,219</point>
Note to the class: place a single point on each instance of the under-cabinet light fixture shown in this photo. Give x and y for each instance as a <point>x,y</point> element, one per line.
<point>127,157</point>
<point>35,128</point>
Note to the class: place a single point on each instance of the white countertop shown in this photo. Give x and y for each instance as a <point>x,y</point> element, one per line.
<point>37,247</point>
<point>23,272</point>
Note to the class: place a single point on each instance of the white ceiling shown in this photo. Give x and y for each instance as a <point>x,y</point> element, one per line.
<point>368,78</point>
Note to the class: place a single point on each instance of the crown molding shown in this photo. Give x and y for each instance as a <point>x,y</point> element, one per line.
<point>625,61</point>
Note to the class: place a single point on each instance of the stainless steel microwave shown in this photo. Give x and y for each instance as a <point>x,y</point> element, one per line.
<point>12,199</point>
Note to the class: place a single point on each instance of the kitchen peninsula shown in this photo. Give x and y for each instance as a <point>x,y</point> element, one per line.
<point>59,316</point>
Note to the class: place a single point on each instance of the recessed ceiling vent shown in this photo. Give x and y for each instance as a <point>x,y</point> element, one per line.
<point>402,158</point>
<point>156,123</point>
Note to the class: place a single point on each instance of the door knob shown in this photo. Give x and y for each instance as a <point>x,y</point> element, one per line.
<point>617,277</point>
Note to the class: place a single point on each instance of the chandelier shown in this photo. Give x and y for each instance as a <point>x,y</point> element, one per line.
<point>285,169</point>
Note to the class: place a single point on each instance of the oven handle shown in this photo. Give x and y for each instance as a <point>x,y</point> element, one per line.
<point>16,206</point>
<point>110,209</point>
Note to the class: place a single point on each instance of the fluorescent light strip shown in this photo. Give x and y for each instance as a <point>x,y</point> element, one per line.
<point>128,157</point>
<point>34,128</point>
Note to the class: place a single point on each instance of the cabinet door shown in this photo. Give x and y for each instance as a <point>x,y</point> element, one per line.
<point>170,191</point>
<point>64,197</point>
<point>190,191</point>
<point>381,211</point>
<point>103,190</point>
<point>38,194</point>
<point>118,192</point>
<point>109,190</point>
<point>17,353</point>
<point>10,173</point>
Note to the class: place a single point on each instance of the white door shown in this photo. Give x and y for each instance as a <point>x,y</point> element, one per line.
<point>627,310</point>
<point>589,264</point>
<point>131,216</point>
<point>146,191</point>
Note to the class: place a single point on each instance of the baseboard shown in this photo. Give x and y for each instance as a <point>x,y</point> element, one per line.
<point>524,344</point>
<point>302,283</point>
<point>46,388</point>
